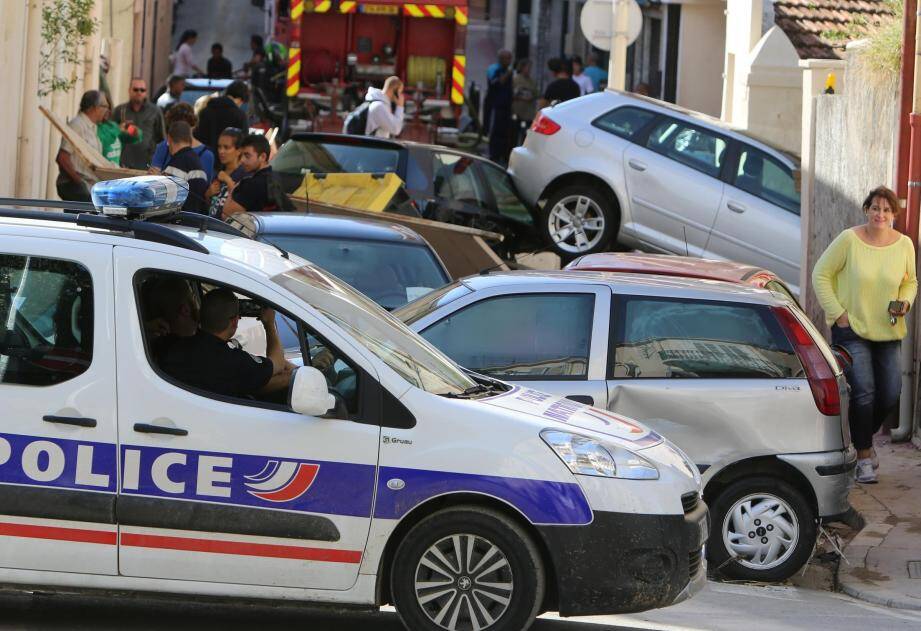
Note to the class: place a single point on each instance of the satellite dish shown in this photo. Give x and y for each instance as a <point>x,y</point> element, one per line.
<point>597,21</point>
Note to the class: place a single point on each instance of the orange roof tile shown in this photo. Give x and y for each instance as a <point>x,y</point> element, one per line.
<point>820,29</point>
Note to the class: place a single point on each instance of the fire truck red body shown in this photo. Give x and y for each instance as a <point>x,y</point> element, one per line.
<point>355,44</point>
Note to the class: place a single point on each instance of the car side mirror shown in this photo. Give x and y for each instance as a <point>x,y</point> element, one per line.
<point>309,393</point>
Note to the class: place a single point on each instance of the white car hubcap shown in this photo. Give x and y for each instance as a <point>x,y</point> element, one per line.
<point>576,223</point>
<point>464,582</point>
<point>761,530</point>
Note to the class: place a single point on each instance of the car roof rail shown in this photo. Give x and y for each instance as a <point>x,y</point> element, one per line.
<point>71,207</point>
<point>204,223</point>
<point>143,230</point>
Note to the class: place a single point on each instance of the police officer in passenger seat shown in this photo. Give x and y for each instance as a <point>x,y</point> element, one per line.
<point>208,362</point>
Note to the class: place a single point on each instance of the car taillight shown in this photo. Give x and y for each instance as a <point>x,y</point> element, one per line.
<point>544,125</point>
<point>821,377</point>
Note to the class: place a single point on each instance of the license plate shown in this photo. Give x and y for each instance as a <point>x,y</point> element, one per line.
<point>704,529</point>
<point>380,9</point>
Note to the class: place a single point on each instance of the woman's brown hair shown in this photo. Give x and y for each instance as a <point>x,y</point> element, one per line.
<point>885,193</point>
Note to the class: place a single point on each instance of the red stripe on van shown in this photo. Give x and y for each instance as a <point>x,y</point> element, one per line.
<point>81,535</point>
<point>237,547</point>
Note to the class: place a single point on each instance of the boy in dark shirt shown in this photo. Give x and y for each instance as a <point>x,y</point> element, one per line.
<point>185,165</point>
<point>257,191</point>
<point>562,88</point>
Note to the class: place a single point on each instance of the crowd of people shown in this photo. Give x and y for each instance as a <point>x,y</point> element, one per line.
<point>513,97</point>
<point>205,143</point>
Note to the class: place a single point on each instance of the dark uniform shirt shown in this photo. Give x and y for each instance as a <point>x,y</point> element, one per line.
<point>206,362</point>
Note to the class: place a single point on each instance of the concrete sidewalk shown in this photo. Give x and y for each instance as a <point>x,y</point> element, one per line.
<point>881,560</point>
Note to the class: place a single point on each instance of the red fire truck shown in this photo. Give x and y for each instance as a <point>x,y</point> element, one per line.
<point>347,45</point>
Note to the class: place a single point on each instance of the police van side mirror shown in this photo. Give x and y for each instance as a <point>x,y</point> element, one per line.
<point>309,394</point>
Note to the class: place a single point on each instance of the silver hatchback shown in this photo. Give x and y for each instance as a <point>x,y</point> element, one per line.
<point>736,376</point>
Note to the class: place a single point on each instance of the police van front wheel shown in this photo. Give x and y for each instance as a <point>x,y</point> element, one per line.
<point>467,568</point>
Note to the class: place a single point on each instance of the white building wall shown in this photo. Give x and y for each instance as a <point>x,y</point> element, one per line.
<point>28,142</point>
<point>700,56</point>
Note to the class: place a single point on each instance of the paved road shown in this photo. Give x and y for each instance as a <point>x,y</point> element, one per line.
<point>721,607</point>
<point>230,22</point>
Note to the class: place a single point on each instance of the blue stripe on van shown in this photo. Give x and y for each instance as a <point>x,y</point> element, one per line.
<point>541,501</point>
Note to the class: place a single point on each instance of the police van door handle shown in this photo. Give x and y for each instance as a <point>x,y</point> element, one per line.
<point>147,428</point>
<point>581,398</point>
<point>70,420</point>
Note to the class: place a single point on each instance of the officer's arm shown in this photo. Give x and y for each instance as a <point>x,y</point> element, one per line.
<point>273,349</point>
<point>279,381</point>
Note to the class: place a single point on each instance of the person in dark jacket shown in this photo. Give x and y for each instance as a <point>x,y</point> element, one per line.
<point>185,165</point>
<point>499,95</point>
<point>223,112</point>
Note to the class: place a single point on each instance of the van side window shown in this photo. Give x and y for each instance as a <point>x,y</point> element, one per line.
<point>46,320</point>
<point>172,308</point>
<point>625,122</point>
<point>684,339</point>
<point>502,336</point>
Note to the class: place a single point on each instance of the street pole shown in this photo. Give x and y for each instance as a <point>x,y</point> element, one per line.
<point>511,25</point>
<point>617,65</point>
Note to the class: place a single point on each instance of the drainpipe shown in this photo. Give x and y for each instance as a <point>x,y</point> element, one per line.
<point>906,85</point>
<point>907,408</point>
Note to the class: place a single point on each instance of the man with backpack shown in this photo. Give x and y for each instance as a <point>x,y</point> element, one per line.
<point>381,115</point>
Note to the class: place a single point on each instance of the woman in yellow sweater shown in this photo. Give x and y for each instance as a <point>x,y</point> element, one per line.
<point>865,282</point>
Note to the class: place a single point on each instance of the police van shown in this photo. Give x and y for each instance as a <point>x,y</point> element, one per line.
<point>387,474</point>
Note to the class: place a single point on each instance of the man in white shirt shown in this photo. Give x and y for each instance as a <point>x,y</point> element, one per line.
<point>385,120</point>
<point>175,85</point>
<point>76,176</point>
<point>583,80</point>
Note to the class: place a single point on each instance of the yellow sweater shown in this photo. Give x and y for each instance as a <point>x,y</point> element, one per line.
<point>862,279</point>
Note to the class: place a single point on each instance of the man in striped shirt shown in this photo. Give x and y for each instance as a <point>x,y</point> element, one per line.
<point>185,165</point>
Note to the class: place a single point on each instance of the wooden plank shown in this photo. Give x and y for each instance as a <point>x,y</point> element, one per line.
<point>104,169</point>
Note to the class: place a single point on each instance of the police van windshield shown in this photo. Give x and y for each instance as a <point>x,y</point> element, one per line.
<point>375,329</point>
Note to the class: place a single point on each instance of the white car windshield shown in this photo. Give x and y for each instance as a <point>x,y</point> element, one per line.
<point>409,355</point>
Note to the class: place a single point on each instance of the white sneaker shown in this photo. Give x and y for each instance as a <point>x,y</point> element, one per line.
<point>865,473</point>
<point>874,458</point>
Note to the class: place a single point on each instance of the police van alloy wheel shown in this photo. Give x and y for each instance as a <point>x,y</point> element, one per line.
<point>467,568</point>
<point>766,524</point>
<point>577,220</point>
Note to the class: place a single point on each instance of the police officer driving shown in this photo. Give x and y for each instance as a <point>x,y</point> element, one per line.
<point>208,361</point>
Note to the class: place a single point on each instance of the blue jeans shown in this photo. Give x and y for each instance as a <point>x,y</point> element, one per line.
<point>875,378</point>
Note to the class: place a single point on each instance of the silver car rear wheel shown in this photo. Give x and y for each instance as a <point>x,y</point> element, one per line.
<point>761,530</point>
<point>576,224</point>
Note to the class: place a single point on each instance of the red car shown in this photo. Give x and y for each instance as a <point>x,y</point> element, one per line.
<point>685,266</point>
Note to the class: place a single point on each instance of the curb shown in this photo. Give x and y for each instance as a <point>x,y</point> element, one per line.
<point>870,536</point>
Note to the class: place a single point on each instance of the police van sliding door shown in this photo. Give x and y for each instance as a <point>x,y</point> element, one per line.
<point>222,491</point>
<point>57,424</point>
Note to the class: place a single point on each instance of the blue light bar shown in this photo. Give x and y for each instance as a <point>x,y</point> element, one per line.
<point>140,197</point>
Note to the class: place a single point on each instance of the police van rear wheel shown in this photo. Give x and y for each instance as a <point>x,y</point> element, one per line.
<point>467,568</point>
